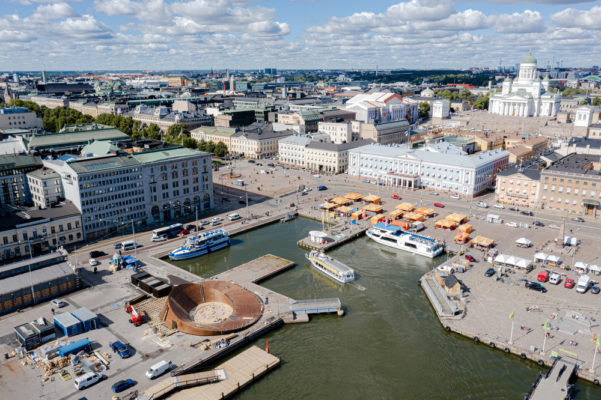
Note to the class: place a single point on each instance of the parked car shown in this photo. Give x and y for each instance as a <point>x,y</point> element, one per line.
<point>322,187</point>
<point>569,283</point>
<point>528,213</point>
<point>470,258</point>
<point>535,286</point>
<point>122,385</point>
<point>183,232</point>
<point>514,209</point>
<point>555,278</point>
<point>482,204</point>
<point>215,223</point>
<point>270,164</point>
<point>117,246</point>
<point>434,193</point>
<point>538,223</point>
<point>161,238</point>
<point>396,197</point>
<point>121,349</point>
<point>499,206</point>
<point>218,219</point>
<point>455,196</point>
<point>511,224</point>
<point>203,223</point>
<point>543,276</point>
<point>93,262</point>
<point>58,303</point>
<point>595,290</point>
<point>440,205</point>
<point>489,272</point>
<point>260,164</point>
<point>97,253</point>
<point>191,227</point>
<point>578,219</point>
<point>251,161</point>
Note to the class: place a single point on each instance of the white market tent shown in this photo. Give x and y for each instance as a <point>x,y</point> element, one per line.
<point>553,259</point>
<point>594,268</point>
<point>523,242</point>
<point>570,241</point>
<point>523,263</point>
<point>541,257</point>
<point>513,261</point>
<point>581,266</point>
<point>501,259</point>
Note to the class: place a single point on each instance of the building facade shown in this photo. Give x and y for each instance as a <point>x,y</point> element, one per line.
<point>339,132</point>
<point>118,191</point>
<point>439,169</point>
<point>14,189</point>
<point>518,187</point>
<point>291,150</point>
<point>45,187</point>
<point>330,157</point>
<point>39,230</point>
<point>572,185</point>
<point>527,95</point>
<point>19,118</point>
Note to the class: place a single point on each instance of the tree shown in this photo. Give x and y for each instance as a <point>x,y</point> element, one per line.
<point>482,102</point>
<point>597,101</point>
<point>424,109</point>
<point>202,145</point>
<point>220,149</point>
<point>210,147</point>
<point>583,103</point>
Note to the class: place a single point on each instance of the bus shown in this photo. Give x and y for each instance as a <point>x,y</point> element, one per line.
<point>166,232</point>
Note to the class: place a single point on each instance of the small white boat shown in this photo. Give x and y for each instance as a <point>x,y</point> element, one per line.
<point>331,267</point>
<point>287,218</point>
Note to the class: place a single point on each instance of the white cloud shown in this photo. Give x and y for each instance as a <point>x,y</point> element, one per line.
<point>528,21</point>
<point>571,17</point>
<point>421,10</point>
<point>54,11</point>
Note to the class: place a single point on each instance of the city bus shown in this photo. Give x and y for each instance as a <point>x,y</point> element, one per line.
<point>166,232</point>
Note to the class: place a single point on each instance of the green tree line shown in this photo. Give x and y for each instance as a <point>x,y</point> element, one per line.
<point>54,119</point>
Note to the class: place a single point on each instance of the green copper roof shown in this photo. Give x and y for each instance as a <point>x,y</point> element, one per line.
<point>162,154</point>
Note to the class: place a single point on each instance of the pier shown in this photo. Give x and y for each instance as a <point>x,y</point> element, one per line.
<point>556,384</point>
<point>239,371</point>
<point>256,270</point>
<point>172,384</point>
<point>336,236</point>
<point>317,306</point>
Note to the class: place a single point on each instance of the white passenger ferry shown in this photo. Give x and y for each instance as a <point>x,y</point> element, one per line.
<point>331,267</point>
<point>394,236</point>
<point>202,244</point>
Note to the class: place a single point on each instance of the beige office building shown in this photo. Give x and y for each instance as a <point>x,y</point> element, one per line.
<point>518,187</point>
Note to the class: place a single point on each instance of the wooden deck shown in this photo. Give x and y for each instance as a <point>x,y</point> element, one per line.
<point>172,384</point>
<point>240,371</point>
<point>256,270</point>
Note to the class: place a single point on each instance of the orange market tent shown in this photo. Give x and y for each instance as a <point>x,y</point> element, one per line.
<point>402,224</point>
<point>459,218</point>
<point>377,218</point>
<point>328,206</point>
<point>405,207</point>
<point>428,212</point>
<point>467,228</point>
<point>373,208</point>
<point>372,198</point>
<point>462,237</point>
<point>357,214</point>
<point>341,201</point>
<point>354,196</point>
<point>414,217</point>
<point>394,214</point>
<point>445,224</point>
<point>482,242</point>
<point>345,209</point>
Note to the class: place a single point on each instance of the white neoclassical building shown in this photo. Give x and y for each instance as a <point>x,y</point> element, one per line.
<point>527,95</point>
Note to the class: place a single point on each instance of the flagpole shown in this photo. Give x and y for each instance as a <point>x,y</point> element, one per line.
<point>595,355</point>
<point>545,338</point>
<point>511,335</point>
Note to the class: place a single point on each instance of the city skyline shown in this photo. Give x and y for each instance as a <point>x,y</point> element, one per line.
<point>304,34</point>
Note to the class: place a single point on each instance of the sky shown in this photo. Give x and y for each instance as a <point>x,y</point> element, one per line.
<point>289,34</point>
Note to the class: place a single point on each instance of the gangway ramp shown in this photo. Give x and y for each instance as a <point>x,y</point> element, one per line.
<point>556,384</point>
<point>317,306</point>
<point>169,385</point>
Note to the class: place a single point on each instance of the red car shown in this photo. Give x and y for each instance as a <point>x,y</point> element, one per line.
<point>439,205</point>
<point>470,258</point>
<point>184,232</point>
<point>396,197</point>
<point>569,283</point>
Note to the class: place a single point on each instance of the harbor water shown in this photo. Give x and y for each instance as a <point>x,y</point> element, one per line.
<point>389,345</point>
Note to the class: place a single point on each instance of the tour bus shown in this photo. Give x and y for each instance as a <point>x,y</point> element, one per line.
<point>129,245</point>
<point>166,232</point>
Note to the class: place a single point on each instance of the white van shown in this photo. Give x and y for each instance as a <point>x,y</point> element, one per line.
<point>583,284</point>
<point>554,279</point>
<point>482,204</point>
<point>87,380</point>
<point>234,216</point>
<point>158,369</point>
<point>417,226</point>
<point>129,245</point>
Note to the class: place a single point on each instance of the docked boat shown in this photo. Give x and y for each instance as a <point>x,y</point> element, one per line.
<point>288,217</point>
<point>202,244</point>
<point>394,236</point>
<point>331,267</point>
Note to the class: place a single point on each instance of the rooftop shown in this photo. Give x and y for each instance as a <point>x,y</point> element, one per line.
<point>338,147</point>
<point>531,173</point>
<point>75,135</point>
<point>13,110</point>
<point>19,161</point>
<point>12,220</point>
<point>162,154</point>
<point>43,173</point>
<point>36,277</point>
<point>585,164</point>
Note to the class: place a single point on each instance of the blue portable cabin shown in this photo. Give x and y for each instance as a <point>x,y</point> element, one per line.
<point>74,348</point>
<point>88,319</point>
<point>68,324</point>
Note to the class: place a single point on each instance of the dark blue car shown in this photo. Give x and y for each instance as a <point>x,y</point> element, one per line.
<point>121,349</point>
<point>122,385</point>
<point>322,187</point>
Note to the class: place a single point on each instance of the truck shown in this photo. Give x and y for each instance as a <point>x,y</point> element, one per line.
<point>584,282</point>
<point>135,317</point>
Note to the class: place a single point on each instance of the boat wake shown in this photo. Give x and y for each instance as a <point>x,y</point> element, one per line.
<point>357,286</point>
